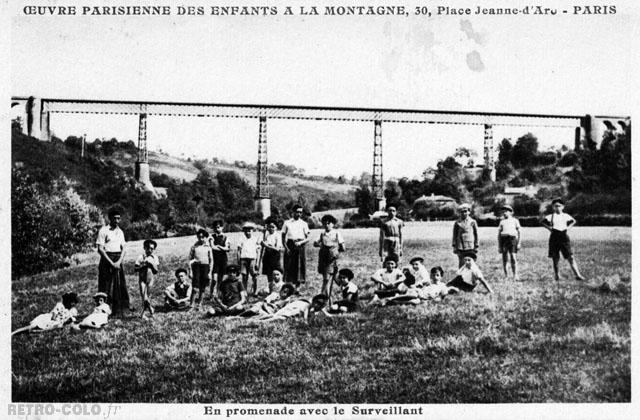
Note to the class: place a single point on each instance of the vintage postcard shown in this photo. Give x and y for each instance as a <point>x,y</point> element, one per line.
<point>319,209</point>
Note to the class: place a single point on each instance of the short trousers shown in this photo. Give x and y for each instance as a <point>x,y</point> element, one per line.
<point>559,243</point>
<point>247,266</point>
<point>200,275</point>
<point>508,243</point>
<point>220,263</point>
<point>349,304</point>
<point>458,283</point>
<point>385,293</point>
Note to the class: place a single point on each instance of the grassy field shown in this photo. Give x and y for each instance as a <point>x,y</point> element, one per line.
<point>532,341</point>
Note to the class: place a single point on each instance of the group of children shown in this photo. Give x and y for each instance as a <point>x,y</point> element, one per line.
<point>208,265</point>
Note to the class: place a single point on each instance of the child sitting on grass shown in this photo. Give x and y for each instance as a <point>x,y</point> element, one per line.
<point>437,288</point>
<point>147,267</point>
<point>407,292</point>
<point>349,291</point>
<point>62,313</point>
<point>177,296</point>
<point>100,315</point>
<point>232,295</point>
<point>298,308</point>
<point>468,275</point>
<point>387,279</point>
<point>271,304</point>
<point>419,271</point>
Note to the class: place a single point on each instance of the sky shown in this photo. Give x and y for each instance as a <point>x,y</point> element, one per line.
<point>564,65</point>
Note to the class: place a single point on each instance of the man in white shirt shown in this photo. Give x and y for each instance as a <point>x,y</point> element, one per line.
<point>111,279</point>
<point>295,234</point>
<point>558,223</point>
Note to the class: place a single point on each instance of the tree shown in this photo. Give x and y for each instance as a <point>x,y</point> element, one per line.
<point>465,156</point>
<point>364,200</point>
<point>504,152</point>
<point>525,151</point>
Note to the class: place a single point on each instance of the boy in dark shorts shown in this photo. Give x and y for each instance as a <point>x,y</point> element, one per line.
<point>468,276</point>
<point>232,295</point>
<point>201,265</point>
<point>509,240</point>
<point>220,245</point>
<point>558,223</point>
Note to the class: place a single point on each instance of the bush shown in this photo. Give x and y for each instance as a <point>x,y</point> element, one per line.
<point>185,229</point>
<point>361,223</point>
<point>546,158</point>
<point>618,202</point>
<point>147,229</point>
<point>427,211</point>
<point>48,226</point>
<point>568,159</point>
<point>526,206</point>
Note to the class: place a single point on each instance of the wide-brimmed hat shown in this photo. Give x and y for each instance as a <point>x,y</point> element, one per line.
<point>416,259</point>
<point>248,225</point>
<point>99,295</point>
<point>506,207</point>
<point>464,206</point>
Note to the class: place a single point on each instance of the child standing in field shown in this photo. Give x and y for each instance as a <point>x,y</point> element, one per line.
<point>201,265</point>
<point>390,243</point>
<point>558,223</point>
<point>387,279</point>
<point>100,315</point>
<point>331,244</point>
<point>220,247</point>
<point>349,292</point>
<point>509,240</point>
<point>248,257</point>
<point>62,313</point>
<point>147,267</point>
<point>271,251</point>
<point>232,295</point>
<point>177,296</point>
<point>469,275</point>
<point>465,235</point>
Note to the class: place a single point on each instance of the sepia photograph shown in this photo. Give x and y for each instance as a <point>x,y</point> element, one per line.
<point>319,209</point>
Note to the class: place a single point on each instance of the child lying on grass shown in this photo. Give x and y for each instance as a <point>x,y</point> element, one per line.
<point>100,315</point>
<point>63,313</point>
<point>298,308</point>
<point>271,304</point>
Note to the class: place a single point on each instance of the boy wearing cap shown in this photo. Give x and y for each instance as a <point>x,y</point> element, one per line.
<point>509,240</point>
<point>178,295</point>
<point>200,264</point>
<point>100,315</point>
<point>232,295</point>
<point>247,257</point>
<point>390,243</point>
<point>147,267</point>
<point>558,223</point>
<point>465,234</point>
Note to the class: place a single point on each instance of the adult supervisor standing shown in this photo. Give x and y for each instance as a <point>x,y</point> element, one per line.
<point>295,234</point>
<point>111,278</point>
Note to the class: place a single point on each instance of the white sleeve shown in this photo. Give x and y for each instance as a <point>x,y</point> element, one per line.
<point>102,237</point>
<point>340,238</point>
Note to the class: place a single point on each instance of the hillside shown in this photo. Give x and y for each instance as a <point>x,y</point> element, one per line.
<point>54,159</point>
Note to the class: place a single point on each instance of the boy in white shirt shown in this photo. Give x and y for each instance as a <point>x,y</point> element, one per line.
<point>509,240</point>
<point>247,257</point>
<point>387,278</point>
<point>558,223</point>
<point>419,271</point>
<point>469,275</point>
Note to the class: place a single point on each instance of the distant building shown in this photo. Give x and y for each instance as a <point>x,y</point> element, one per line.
<point>434,199</point>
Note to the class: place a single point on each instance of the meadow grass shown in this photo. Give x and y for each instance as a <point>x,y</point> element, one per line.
<point>532,341</point>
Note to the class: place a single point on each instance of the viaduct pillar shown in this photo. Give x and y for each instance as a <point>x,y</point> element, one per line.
<point>489,163</point>
<point>262,200</point>
<point>142,171</point>
<point>377,185</point>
